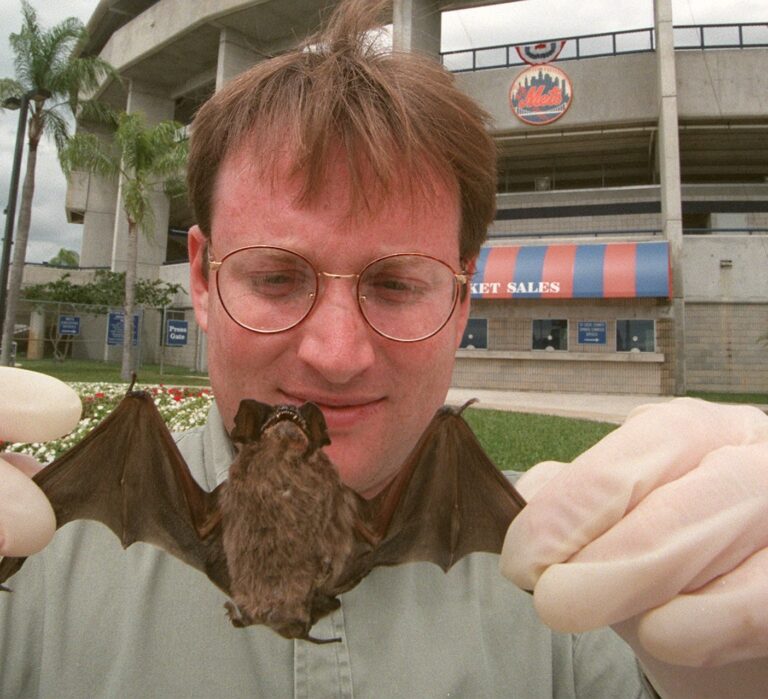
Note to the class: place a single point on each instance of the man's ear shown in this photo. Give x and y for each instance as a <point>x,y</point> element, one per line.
<point>197,246</point>
<point>462,310</point>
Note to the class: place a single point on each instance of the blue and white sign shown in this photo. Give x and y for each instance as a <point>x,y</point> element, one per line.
<point>592,332</point>
<point>176,332</point>
<point>69,325</point>
<point>115,327</point>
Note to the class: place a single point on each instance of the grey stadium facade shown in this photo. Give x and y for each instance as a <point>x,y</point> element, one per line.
<point>630,249</point>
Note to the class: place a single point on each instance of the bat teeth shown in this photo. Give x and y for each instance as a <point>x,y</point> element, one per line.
<point>286,412</point>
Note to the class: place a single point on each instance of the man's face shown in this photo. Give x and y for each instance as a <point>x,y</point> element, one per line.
<point>377,395</point>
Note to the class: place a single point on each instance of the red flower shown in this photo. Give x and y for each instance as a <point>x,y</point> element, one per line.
<point>98,395</point>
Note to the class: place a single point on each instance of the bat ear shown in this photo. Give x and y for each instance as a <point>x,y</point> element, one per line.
<point>250,418</point>
<point>317,430</point>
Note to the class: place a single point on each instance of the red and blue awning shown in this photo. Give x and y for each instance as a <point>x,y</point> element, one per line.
<point>566,271</point>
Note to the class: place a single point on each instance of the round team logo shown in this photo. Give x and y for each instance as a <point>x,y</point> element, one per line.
<point>543,52</point>
<point>540,94</point>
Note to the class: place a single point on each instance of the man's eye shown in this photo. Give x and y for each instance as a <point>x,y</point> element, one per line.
<point>395,289</point>
<point>276,283</point>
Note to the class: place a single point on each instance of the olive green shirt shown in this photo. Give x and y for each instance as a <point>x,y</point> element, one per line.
<point>88,619</point>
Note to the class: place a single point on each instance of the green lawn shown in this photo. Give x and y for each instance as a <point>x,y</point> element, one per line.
<point>730,397</point>
<point>517,441</point>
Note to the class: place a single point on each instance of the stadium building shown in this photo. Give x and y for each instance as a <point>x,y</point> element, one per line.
<point>630,249</point>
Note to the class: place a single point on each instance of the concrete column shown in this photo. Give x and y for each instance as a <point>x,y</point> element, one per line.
<point>96,198</point>
<point>416,26</point>
<point>235,56</point>
<point>156,106</point>
<point>669,177</point>
<point>36,342</point>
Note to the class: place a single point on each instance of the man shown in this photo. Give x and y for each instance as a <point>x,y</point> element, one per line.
<point>326,184</point>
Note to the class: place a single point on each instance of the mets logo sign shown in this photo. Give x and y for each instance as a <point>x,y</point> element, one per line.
<point>540,94</point>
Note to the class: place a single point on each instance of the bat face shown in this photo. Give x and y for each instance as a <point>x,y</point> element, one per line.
<point>254,419</point>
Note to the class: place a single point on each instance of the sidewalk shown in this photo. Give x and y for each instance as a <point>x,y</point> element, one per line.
<point>589,406</point>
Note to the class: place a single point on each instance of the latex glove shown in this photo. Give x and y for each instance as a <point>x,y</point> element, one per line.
<point>661,530</point>
<point>33,408</point>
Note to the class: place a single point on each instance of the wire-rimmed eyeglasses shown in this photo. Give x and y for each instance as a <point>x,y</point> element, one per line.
<point>405,296</point>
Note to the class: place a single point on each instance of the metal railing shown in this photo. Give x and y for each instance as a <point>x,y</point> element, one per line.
<point>628,232</point>
<point>706,36</point>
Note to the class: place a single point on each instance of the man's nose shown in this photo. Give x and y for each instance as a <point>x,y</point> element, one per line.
<point>336,340</point>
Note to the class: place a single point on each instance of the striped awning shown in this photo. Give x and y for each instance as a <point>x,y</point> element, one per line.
<point>602,270</point>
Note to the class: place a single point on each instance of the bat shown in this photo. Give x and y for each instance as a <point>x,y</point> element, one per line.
<point>282,537</point>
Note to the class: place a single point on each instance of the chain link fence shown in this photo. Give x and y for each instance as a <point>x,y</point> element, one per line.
<point>57,329</point>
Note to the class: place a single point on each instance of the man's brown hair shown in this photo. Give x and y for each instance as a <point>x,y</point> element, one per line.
<point>388,111</point>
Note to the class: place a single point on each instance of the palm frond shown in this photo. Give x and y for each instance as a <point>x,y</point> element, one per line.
<point>95,112</point>
<point>86,151</point>
<point>10,88</point>
<point>54,124</point>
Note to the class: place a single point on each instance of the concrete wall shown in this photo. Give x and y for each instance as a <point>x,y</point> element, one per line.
<point>722,84</point>
<point>622,89</point>
<point>605,91</point>
<point>723,349</point>
<point>726,269</point>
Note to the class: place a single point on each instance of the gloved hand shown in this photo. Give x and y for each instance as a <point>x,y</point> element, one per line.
<point>661,530</point>
<point>33,408</point>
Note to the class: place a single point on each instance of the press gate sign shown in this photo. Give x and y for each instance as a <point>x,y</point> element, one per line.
<point>176,332</point>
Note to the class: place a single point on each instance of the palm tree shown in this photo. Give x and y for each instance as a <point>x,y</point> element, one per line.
<point>147,159</point>
<point>49,69</point>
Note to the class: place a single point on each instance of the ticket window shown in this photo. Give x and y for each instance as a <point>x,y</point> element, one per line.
<point>635,335</point>
<point>550,335</point>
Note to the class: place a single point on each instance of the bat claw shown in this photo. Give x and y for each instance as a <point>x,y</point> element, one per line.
<point>457,409</point>
<point>237,616</point>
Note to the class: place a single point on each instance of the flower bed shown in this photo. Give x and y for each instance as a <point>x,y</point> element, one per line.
<point>181,408</point>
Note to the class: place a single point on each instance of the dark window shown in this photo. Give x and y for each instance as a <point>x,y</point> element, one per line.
<point>550,334</point>
<point>475,334</point>
<point>635,336</point>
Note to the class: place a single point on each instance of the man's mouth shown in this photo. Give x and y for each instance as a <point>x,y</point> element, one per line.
<point>340,412</point>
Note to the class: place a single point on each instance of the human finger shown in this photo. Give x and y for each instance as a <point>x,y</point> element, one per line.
<point>725,621</point>
<point>35,407</point>
<point>27,520</point>
<point>536,477</point>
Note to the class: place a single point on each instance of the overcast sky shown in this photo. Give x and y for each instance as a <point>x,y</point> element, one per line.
<point>509,23</point>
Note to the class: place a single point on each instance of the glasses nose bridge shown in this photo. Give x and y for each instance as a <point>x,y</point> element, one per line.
<point>333,275</point>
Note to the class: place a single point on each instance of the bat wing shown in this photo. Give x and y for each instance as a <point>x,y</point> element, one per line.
<point>448,500</point>
<point>129,475</point>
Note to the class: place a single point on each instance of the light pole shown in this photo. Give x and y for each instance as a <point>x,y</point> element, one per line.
<point>22,104</point>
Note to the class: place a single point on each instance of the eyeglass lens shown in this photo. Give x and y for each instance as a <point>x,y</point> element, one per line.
<point>403,297</point>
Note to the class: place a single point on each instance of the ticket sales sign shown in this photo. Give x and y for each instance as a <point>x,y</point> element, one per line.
<point>540,94</point>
